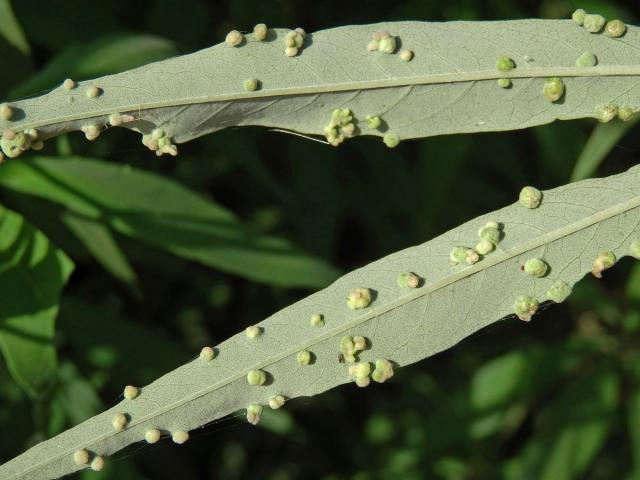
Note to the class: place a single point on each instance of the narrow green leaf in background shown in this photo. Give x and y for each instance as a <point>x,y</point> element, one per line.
<point>603,139</point>
<point>32,275</point>
<point>163,213</point>
<point>10,28</point>
<point>104,55</point>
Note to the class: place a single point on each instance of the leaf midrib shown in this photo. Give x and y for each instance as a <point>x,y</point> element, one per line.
<point>431,79</point>
<point>488,262</point>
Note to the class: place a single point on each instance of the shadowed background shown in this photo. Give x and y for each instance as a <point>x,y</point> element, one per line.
<point>555,399</point>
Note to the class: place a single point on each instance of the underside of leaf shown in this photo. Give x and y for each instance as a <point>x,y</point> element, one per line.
<point>450,84</point>
<point>575,229</point>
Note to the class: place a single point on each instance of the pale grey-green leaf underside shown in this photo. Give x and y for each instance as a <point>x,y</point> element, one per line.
<point>449,86</point>
<point>573,224</point>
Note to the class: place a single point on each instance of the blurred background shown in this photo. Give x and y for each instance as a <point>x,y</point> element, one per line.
<point>555,399</point>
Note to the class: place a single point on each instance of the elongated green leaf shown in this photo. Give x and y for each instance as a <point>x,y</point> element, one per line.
<point>403,325</point>
<point>10,28</point>
<point>602,140</point>
<point>163,213</point>
<point>100,242</point>
<point>108,54</point>
<point>32,274</point>
<point>572,430</point>
<point>448,87</point>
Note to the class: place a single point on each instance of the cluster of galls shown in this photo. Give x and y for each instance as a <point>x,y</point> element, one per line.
<point>595,23</point>
<point>14,144</point>
<point>293,42</point>
<point>607,112</point>
<point>489,236</point>
<point>362,374</point>
<point>340,127</point>
<point>159,142</point>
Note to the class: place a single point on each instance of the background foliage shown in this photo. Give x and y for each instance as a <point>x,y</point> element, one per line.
<point>555,399</point>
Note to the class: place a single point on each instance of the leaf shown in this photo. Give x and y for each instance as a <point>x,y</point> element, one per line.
<point>32,274</point>
<point>602,140</point>
<point>572,225</point>
<point>107,54</point>
<point>98,239</point>
<point>449,87</point>
<point>10,28</point>
<point>165,214</point>
<point>572,430</point>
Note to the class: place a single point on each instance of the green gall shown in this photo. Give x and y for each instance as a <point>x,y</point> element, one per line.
<point>587,59</point>
<point>607,112</point>
<point>578,16</point>
<point>505,64</point>
<point>387,44</point>
<point>347,348</point>
<point>340,126</point>
<point>408,280</point>
<point>254,411</point>
<point>179,437</point>
<point>97,463</point>
<point>6,112</point>
<point>553,89</point>
<point>484,247</point>
<point>458,255</point>
<point>372,46</point>
<point>615,28</point>
<point>293,42</point>
<point>93,91</point>
<point>81,457</point>
<point>359,298</point>
<point>276,402</point>
<point>91,131</point>
<point>373,122</point>
<point>32,133</point>
<point>525,307</point>
<point>530,197</point>
<point>359,343</point>
<point>558,291</point>
<point>303,357</point>
<point>504,83</point>
<point>471,256</point>
<point>233,38</point>
<point>256,377</point>
<point>253,331</point>
<point>626,113</point>
<point>251,84</point>
<point>350,346</point>
<point>260,32</point>
<point>37,145</point>
<point>383,371</point>
<point>131,392</point>
<point>360,372</point>
<point>317,320</point>
<point>391,140</point>
<point>152,435</point>
<point>405,55</point>
<point>535,267</point>
<point>490,232</point>
<point>116,119</point>
<point>634,250</point>
<point>603,261</point>
<point>207,354</point>
<point>119,422</point>
<point>69,84</point>
<point>593,23</point>
<point>14,144</point>
<point>158,133</point>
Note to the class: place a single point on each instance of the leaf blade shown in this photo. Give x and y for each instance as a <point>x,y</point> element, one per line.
<point>449,87</point>
<point>572,225</point>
